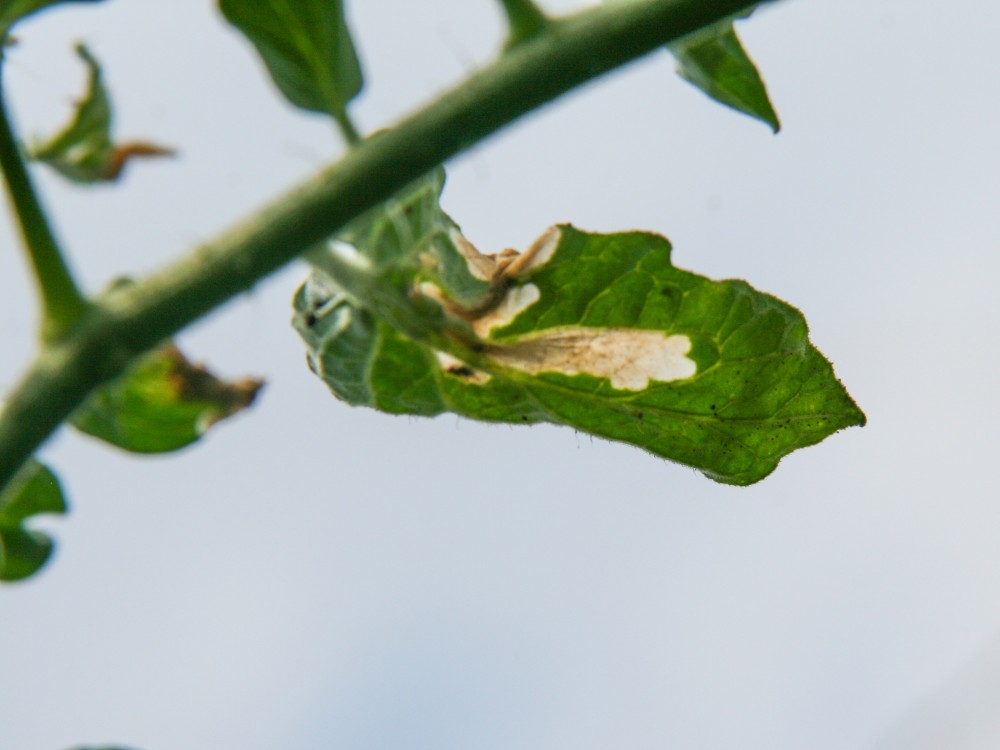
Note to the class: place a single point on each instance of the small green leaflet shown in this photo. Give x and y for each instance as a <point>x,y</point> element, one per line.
<point>597,332</point>
<point>84,151</point>
<point>34,491</point>
<point>162,404</point>
<point>12,11</point>
<point>714,60</point>
<point>306,47</point>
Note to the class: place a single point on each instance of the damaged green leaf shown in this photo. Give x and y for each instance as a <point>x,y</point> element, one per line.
<point>162,404</point>
<point>597,332</point>
<point>34,491</point>
<point>84,151</point>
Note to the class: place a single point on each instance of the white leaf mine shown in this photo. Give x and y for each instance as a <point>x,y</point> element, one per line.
<point>630,358</point>
<point>517,300</point>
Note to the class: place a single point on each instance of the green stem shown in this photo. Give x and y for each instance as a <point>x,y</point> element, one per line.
<point>525,20</point>
<point>126,322</point>
<point>63,305</point>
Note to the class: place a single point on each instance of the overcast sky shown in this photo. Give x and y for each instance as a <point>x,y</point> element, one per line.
<point>317,576</point>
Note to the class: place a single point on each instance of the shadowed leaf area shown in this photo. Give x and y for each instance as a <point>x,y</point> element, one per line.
<point>34,491</point>
<point>597,332</point>
<point>162,404</point>
<point>84,151</point>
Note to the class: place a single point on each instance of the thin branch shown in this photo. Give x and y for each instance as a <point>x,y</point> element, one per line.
<point>128,321</point>
<point>62,302</point>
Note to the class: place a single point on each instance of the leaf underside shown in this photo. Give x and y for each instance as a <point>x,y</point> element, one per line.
<point>84,151</point>
<point>597,332</point>
<point>162,404</point>
<point>713,59</point>
<point>34,491</point>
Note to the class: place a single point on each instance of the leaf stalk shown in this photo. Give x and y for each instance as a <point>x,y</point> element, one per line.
<point>351,135</point>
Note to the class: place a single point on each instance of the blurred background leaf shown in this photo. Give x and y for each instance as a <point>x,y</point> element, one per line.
<point>84,150</point>
<point>306,47</point>
<point>162,404</point>
<point>34,491</point>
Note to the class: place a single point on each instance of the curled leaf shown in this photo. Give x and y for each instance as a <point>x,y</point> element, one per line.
<point>34,491</point>
<point>84,151</point>
<point>162,404</point>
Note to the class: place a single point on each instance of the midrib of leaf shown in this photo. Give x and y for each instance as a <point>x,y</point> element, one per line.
<point>627,405</point>
<point>528,381</point>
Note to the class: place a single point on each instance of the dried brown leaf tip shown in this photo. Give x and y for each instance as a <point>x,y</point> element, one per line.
<point>120,156</point>
<point>194,382</point>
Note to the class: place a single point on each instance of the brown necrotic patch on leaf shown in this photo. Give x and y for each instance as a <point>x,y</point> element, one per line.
<point>629,358</point>
<point>496,268</point>
<point>481,266</point>
<point>195,383</point>
<point>506,298</point>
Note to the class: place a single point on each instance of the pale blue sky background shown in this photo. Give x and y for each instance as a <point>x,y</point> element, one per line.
<point>316,576</point>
